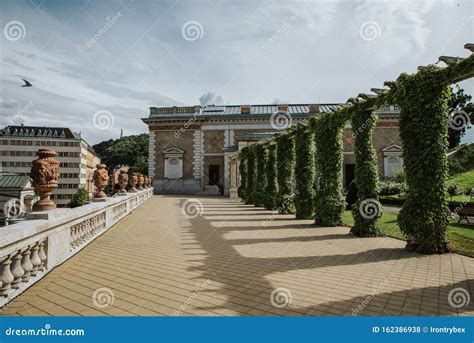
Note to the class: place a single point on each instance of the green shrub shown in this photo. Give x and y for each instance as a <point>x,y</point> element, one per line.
<point>454,189</point>
<point>305,173</point>
<point>242,190</point>
<point>392,188</point>
<point>79,198</point>
<point>251,174</point>
<point>400,176</point>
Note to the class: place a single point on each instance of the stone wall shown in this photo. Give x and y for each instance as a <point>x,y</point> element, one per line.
<point>213,141</point>
<point>168,139</point>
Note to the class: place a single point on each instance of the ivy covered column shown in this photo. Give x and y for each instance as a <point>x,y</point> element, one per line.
<point>367,210</point>
<point>305,173</point>
<point>270,201</point>
<point>251,174</point>
<point>286,167</point>
<point>329,203</point>
<point>243,174</point>
<point>423,99</point>
<point>261,175</point>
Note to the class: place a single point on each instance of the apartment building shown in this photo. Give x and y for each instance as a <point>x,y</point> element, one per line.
<point>18,147</point>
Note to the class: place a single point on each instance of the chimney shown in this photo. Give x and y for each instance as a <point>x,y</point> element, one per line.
<point>283,108</point>
<point>245,109</point>
<point>313,108</point>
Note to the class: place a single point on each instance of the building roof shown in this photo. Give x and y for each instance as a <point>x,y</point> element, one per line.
<point>14,181</point>
<point>38,131</point>
<point>252,110</point>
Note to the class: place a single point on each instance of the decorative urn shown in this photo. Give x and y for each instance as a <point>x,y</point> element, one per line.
<point>123,181</point>
<point>101,179</point>
<point>45,176</point>
<point>141,180</point>
<point>133,182</point>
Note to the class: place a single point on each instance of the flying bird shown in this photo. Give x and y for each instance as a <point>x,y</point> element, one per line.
<point>27,83</point>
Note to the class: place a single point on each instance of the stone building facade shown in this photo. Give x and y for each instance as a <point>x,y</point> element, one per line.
<point>190,148</point>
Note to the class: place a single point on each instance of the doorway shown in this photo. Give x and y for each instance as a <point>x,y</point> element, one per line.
<point>349,174</point>
<point>214,176</point>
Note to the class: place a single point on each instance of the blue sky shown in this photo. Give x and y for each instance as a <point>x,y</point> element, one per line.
<point>122,57</point>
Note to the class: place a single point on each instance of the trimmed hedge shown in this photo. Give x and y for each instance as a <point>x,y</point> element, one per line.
<point>367,209</point>
<point>261,176</point>
<point>271,168</point>
<point>329,204</point>
<point>305,173</point>
<point>285,161</point>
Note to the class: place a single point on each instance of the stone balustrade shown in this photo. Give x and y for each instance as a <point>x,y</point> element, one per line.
<point>31,248</point>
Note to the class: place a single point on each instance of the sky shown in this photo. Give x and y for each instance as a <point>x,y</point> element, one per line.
<point>97,66</point>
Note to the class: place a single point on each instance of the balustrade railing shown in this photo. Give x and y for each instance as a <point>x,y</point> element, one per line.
<point>31,248</point>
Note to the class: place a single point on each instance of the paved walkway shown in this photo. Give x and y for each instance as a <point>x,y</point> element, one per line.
<point>229,262</point>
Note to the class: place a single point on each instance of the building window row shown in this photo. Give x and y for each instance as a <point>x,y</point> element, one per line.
<point>69,165</point>
<point>67,186</point>
<point>69,175</point>
<point>16,164</point>
<point>37,143</point>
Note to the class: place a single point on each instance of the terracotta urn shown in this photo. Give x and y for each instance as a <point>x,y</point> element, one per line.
<point>123,181</point>
<point>45,176</point>
<point>133,183</point>
<point>101,179</point>
<point>141,180</point>
<point>147,182</point>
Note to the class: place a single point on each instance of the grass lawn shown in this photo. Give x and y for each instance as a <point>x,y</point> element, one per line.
<point>465,180</point>
<point>460,236</point>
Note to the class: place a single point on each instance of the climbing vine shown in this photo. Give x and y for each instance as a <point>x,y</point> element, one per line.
<point>261,176</point>
<point>329,203</point>
<point>367,209</point>
<point>285,161</point>
<point>423,99</point>
<point>271,190</point>
<point>242,191</point>
<point>305,173</point>
<point>251,174</point>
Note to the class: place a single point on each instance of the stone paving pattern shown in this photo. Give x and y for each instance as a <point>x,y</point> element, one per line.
<point>229,260</point>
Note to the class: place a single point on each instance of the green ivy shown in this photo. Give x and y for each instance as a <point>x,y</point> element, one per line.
<point>242,191</point>
<point>261,176</point>
<point>271,190</point>
<point>329,204</point>
<point>251,174</point>
<point>423,99</point>
<point>305,173</point>
<point>367,209</point>
<point>286,162</point>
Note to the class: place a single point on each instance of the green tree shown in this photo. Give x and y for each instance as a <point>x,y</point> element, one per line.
<point>286,171</point>
<point>79,198</point>
<point>129,150</point>
<point>261,177</point>
<point>459,101</point>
